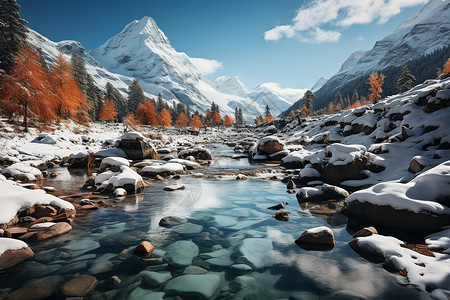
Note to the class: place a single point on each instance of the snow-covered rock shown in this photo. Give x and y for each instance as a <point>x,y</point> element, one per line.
<point>23,172</point>
<point>413,206</point>
<point>13,252</point>
<point>125,178</point>
<point>163,169</point>
<point>427,273</point>
<point>14,198</point>
<point>318,235</point>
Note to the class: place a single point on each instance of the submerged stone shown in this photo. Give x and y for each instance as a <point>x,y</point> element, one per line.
<point>181,253</point>
<point>194,286</point>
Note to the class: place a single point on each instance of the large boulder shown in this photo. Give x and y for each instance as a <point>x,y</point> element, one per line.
<point>13,252</point>
<point>269,145</point>
<point>416,206</point>
<point>344,162</point>
<point>125,178</point>
<point>135,147</point>
<point>81,160</point>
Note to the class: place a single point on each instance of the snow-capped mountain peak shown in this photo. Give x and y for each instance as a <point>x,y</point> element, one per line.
<point>319,83</point>
<point>230,85</point>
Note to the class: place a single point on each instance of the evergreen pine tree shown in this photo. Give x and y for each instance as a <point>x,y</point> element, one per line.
<point>338,98</point>
<point>87,85</point>
<point>135,96</point>
<point>160,104</point>
<point>405,80</point>
<point>355,96</point>
<point>119,101</point>
<point>12,33</point>
<point>241,117</point>
<point>94,97</point>
<point>267,111</point>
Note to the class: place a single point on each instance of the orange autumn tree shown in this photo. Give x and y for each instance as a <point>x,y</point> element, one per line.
<point>269,118</point>
<point>68,98</point>
<point>164,118</point>
<point>292,114</point>
<point>181,121</point>
<point>228,120</point>
<point>375,82</point>
<point>330,109</point>
<point>304,111</point>
<point>217,118</point>
<point>446,71</point>
<point>146,113</point>
<point>26,91</point>
<point>257,120</point>
<point>196,122</point>
<point>107,111</point>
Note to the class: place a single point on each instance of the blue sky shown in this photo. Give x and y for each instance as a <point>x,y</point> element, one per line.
<point>257,40</point>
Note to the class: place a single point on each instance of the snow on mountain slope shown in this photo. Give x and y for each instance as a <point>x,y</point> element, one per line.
<point>421,34</point>
<point>230,85</point>
<point>424,32</point>
<point>352,60</point>
<point>100,75</point>
<point>141,50</point>
<point>319,84</point>
<point>277,98</point>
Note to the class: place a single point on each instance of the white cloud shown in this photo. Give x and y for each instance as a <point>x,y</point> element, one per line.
<point>206,66</point>
<point>337,13</point>
<point>318,36</point>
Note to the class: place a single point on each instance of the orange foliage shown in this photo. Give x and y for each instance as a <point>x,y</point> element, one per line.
<point>330,108</point>
<point>196,122</point>
<point>164,118</point>
<point>447,67</point>
<point>207,112</point>
<point>107,111</point>
<point>257,120</point>
<point>304,111</point>
<point>131,121</point>
<point>375,82</point>
<point>146,113</point>
<point>217,118</point>
<point>228,120</point>
<point>337,107</point>
<point>68,96</point>
<point>292,114</point>
<point>355,105</point>
<point>26,92</point>
<point>181,120</point>
<point>269,118</point>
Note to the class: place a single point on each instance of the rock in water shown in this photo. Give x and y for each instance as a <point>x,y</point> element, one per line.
<point>322,237</point>
<point>181,253</point>
<point>154,279</point>
<point>144,249</point>
<point>282,215</point>
<point>79,286</point>
<point>33,291</point>
<point>17,253</point>
<point>194,286</point>
<point>277,207</point>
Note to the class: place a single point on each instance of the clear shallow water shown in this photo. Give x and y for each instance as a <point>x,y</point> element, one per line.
<point>229,216</point>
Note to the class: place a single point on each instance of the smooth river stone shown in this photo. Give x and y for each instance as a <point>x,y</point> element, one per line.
<point>144,294</point>
<point>194,286</point>
<point>187,228</point>
<point>257,251</point>
<point>181,253</point>
<point>154,279</point>
<point>219,257</point>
